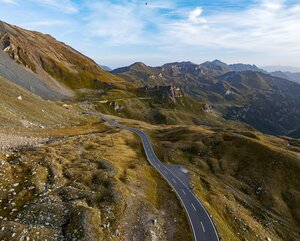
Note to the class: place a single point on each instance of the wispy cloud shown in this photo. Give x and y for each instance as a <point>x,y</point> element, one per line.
<point>67,6</point>
<point>36,24</point>
<point>8,1</point>
<point>115,23</point>
<point>125,22</point>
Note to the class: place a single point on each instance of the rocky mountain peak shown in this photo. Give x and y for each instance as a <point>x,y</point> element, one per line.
<point>219,63</point>
<point>215,67</point>
<point>181,67</point>
<point>137,66</point>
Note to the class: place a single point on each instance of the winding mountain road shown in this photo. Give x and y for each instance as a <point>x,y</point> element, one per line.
<point>201,223</point>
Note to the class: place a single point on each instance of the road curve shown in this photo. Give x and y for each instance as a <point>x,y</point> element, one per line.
<point>201,223</point>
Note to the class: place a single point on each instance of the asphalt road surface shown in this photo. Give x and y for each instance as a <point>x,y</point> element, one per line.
<point>201,223</point>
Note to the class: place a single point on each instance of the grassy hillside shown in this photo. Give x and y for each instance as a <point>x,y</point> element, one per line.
<point>165,105</point>
<point>20,109</point>
<point>27,119</point>
<point>74,177</point>
<point>270,104</point>
<point>248,181</point>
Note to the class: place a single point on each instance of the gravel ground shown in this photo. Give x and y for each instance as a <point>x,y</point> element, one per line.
<point>14,141</point>
<point>20,76</point>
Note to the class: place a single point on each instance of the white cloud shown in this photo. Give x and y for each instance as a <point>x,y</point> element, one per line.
<point>195,16</point>
<point>66,6</point>
<point>272,5</point>
<point>267,26</point>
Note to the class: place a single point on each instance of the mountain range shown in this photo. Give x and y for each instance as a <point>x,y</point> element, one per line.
<point>238,92</point>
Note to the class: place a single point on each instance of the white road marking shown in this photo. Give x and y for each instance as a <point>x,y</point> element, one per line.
<point>209,216</point>
<point>193,207</point>
<point>166,172</point>
<point>174,180</point>
<point>203,227</point>
<point>183,191</point>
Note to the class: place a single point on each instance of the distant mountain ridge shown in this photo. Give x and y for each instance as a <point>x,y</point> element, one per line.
<point>295,77</point>
<point>215,67</point>
<point>281,68</point>
<point>105,67</point>
<point>245,67</point>
<point>248,94</point>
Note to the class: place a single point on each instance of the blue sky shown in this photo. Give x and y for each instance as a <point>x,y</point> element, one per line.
<point>119,32</point>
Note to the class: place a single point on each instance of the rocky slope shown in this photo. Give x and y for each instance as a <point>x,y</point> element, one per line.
<point>271,104</point>
<point>25,118</point>
<point>27,79</point>
<point>89,182</point>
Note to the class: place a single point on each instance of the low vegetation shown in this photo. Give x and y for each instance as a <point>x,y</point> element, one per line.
<point>87,182</point>
<point>248,181</point>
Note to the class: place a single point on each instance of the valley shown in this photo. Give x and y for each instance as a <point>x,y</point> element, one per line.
<point>66,175</point>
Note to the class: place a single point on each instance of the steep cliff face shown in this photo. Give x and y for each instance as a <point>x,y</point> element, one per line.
<point>172,93</point>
